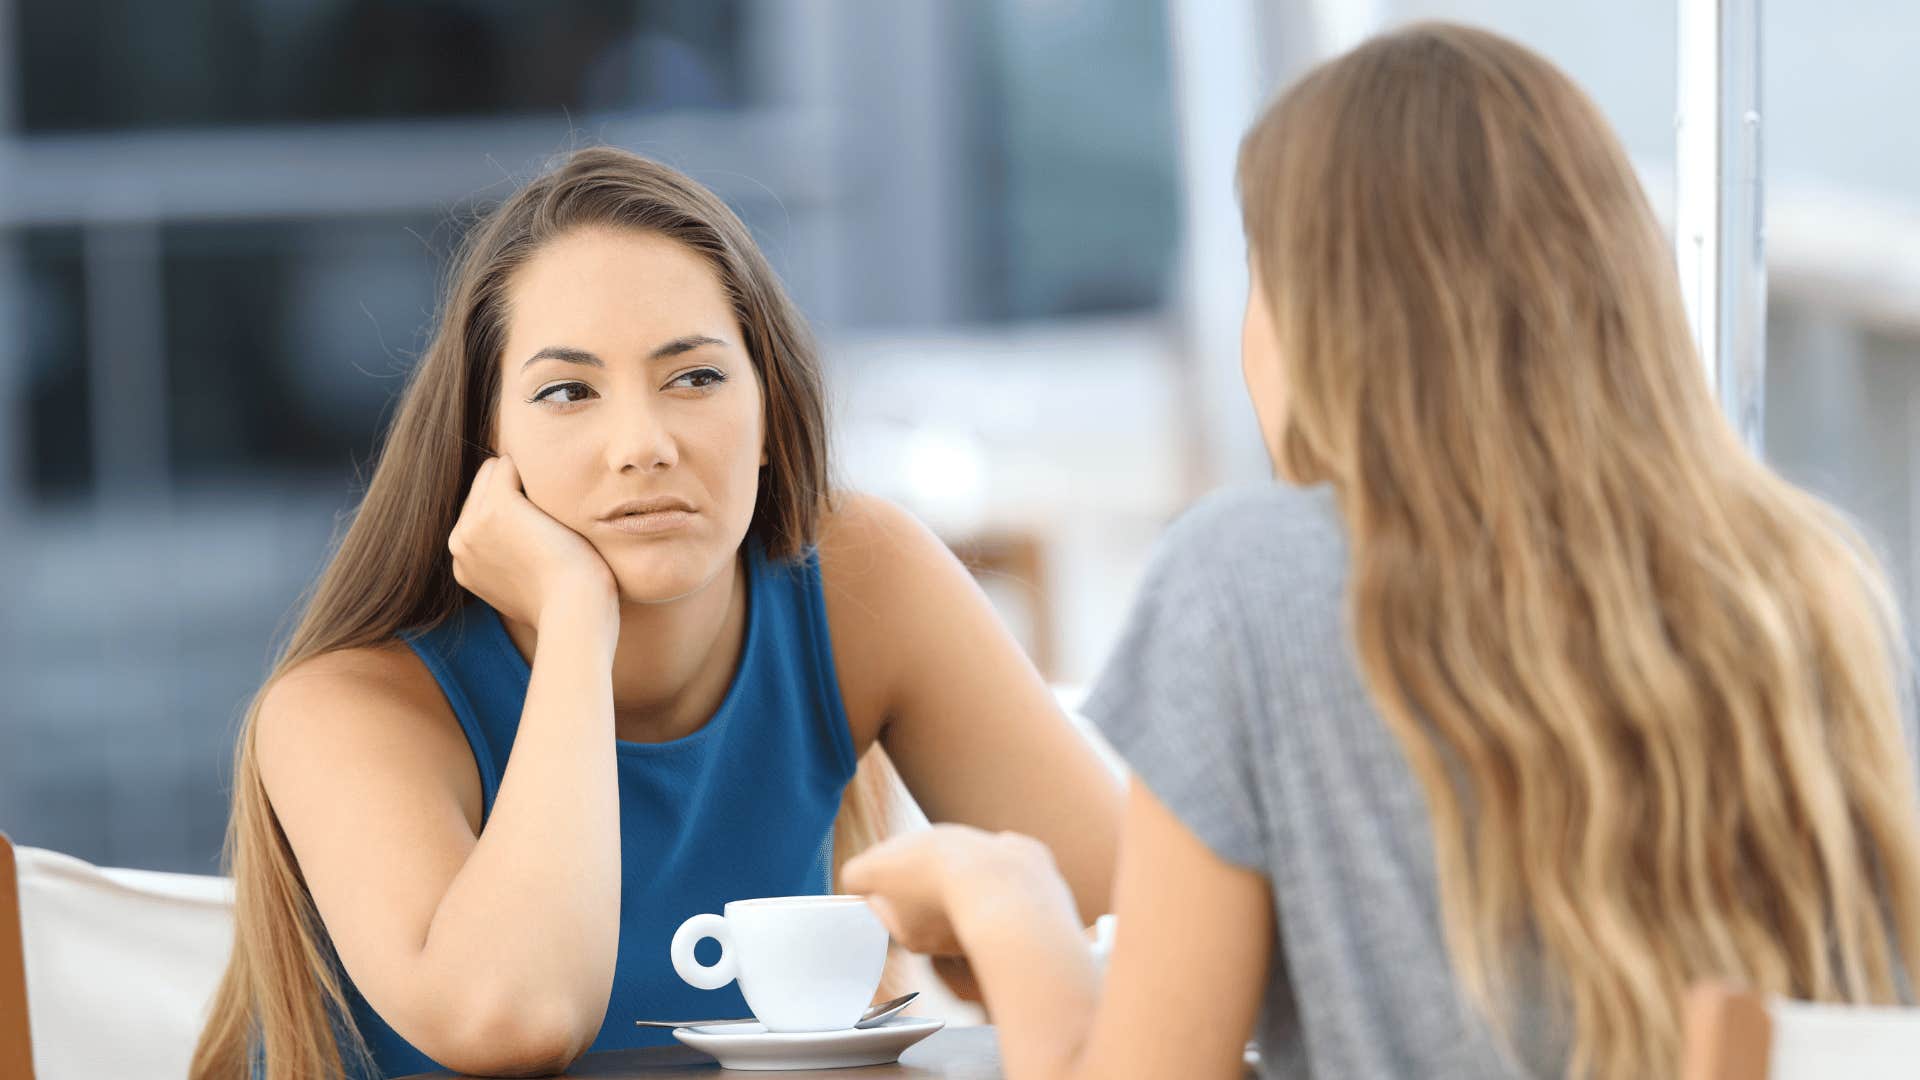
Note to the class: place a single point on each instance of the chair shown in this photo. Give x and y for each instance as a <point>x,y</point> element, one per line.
<point>104,972</point>
<point>1735,1035</point>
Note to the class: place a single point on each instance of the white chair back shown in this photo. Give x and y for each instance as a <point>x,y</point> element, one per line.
<point>120,965</point>
<point>1813,1042</point>
<point>1736,1035</point>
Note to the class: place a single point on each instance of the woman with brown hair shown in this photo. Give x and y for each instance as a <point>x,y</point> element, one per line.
<point>600,651</point>
<point>1548,698</point>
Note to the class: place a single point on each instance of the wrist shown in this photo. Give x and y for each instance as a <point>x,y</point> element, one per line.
<point>586,606</point>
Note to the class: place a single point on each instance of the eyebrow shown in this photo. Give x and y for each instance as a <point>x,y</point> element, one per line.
<point>571,355</point>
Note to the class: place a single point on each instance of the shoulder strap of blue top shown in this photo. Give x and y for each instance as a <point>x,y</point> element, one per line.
<point>798,609</point>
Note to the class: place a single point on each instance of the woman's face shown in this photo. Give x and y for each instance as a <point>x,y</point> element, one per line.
<point>1260,366</point>
<point>625,377</point>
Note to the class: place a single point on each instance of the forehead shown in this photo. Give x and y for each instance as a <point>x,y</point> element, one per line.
<point>618,290</point>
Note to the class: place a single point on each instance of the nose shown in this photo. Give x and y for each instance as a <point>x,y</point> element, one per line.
<point>640,440</point>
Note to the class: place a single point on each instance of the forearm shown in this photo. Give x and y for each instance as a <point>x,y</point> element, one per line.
<point>1086,859</point>
<point>1019,926</point>
<point>1049,785</point>
<point>533,913</point>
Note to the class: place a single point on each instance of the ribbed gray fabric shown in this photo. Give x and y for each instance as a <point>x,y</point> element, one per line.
<point>1234,696</point>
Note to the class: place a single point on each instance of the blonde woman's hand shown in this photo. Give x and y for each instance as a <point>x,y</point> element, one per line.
<point>517,558</point>
<point>930,888</point>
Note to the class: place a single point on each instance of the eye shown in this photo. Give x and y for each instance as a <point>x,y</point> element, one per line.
<point>576,388</point>
<point>699,378</point>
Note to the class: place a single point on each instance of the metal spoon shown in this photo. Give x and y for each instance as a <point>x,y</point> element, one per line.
<point>870,1018</point>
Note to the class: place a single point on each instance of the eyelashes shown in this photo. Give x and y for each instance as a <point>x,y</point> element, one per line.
<point>546,394</point>
<point>706,378</point>
<point>700,380</point>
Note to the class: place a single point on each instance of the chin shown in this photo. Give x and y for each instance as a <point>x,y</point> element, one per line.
<point>670,572</point>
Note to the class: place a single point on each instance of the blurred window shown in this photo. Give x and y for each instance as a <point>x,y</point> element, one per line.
<point>1077,207</point>
<point>98,65</point>
<point>57,389</point>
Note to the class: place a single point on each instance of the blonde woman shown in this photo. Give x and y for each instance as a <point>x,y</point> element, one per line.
<point>1536,698</point>
<point>599,652</point>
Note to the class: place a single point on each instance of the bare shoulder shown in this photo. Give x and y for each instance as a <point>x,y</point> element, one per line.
<point>866,540</point>
<point>880,565</point>
<point>336,715</point>
<point>884,574</point>
<point>342,686</point>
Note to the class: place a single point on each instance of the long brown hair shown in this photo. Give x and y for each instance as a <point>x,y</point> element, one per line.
<point>282,994</point>
<point>1649,689</point>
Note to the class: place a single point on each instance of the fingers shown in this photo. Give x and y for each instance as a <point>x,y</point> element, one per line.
<point>496,474</point>
<point>861,873</point>
<point>455,540</point>
<point>479,483</point>
<point>909,935</point>
<point>506,473</point>
<point>885,913</point>
<point>853,876</point>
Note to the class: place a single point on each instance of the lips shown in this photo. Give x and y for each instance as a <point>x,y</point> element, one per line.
<point>653,516</point>
<point>658,504</point>
<point>651,523</point>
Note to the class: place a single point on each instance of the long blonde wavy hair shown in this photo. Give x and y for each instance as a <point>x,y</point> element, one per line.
<point>1649,689</point>
<point>282,995</point>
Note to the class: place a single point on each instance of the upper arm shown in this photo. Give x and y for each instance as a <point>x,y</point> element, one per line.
<point>927,667</point>
<point>1191,955</point>
<point>377,792</point>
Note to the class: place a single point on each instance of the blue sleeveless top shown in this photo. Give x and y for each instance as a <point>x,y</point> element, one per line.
<point>742,807</point>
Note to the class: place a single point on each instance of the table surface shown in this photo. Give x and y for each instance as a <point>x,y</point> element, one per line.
<point>964,1053</point>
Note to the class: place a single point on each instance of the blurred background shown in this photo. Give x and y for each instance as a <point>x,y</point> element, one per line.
<point>222,225</point>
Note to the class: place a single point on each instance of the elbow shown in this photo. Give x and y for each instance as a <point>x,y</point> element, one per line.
<point>513,1035</point>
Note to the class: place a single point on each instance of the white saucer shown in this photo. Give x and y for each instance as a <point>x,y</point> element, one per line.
<point>752,1047</point>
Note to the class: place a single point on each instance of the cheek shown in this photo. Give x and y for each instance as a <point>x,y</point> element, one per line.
<point>552,470</point>
<point>1261,369</point>
<point>753,433</point>
<point>1257,361</point>
<point>1269,392</point>
<point>1263,378</point>
<point>732,445</point>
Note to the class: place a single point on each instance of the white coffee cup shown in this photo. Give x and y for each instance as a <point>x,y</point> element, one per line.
<point>804,963</point>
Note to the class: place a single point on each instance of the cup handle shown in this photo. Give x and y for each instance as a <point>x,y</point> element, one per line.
<point>704,976</point>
